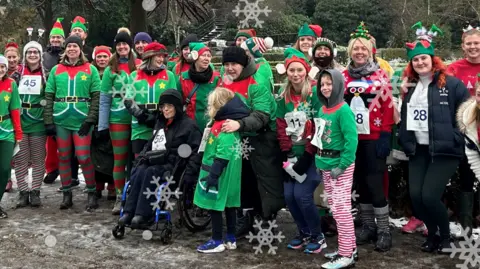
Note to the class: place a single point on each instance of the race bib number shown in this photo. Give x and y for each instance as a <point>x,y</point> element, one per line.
<point>159,141</point>
<point>295,123</point>
<point>30,85</point>
<point>206,134</point>
<point>319,128</point>
<point>417,118</point>
<point>362,120</point>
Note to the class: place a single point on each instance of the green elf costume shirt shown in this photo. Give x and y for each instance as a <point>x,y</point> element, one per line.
<point>33,104</point>
<point>117,85</point>
<point>9,101</point>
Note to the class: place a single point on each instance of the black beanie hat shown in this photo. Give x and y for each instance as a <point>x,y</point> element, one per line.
<point>188,39</point>
<point>234,55</point>
<point>74,39</point>
<point>123,37</point>
<point>174,98</point>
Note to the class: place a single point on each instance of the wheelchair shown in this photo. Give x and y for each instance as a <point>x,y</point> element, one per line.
<point>192,217</point>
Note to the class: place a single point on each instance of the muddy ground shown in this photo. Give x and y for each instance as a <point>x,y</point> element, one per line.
<point>50,238</point>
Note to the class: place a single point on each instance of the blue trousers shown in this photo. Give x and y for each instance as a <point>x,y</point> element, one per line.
<point>300,202</point>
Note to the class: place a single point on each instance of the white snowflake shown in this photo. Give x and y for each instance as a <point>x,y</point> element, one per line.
<point>308,109</point>
<point>123,93</point>
<point>251,11</point>
<point>468,250</point>
<point>382,89</point>
<point>340,199</point>
<point>265,237</point>
<point>3,9</point>
<point>377,122</point>
<point>163,193</point>
<point>242,148</point>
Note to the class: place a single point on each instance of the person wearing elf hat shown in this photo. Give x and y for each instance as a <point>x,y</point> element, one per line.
<point>72,94</point>
<point>255,47</point>
<point>101,58</point>
<point>148,83</point>
<point>32,148</point>
<point>183,64</point>
<point>466,69</point>
<point>12,52</point>
<point>244,34</point>
<point>114,120</point>
<point>263,169</point>
<point>173,59</point>
<point>51,56</point>
<point>141,40</point>
<point>323,54</point>
<point>79,28</point>
<point>306,37</point>
<point>369,95</point>
<point>429,134</point>
<point>197,83</point>
<point>294,124</point>
<point>10,125</point>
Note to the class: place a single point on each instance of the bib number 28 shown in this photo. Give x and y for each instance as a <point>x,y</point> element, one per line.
<point>420,114</point>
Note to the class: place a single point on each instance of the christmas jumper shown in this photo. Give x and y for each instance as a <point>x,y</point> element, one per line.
<point>180,68</point>
<point>265,70</point>
<point>466,72</point>
<point>10,126</point>
<point>32,104</point>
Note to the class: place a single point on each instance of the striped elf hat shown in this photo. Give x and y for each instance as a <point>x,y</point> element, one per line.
<point>57,28</point>
<point>257,45</point>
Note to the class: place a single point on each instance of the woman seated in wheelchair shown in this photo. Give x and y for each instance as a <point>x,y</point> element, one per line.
<point>164,152</point>
<point>218,187</point>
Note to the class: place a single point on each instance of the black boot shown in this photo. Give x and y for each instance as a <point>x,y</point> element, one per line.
<point>368,232</point>
<point>384,238</point>
<point>466,211</point>
<point>22,199</point>
<point>125,220</point>
<point>51,177</point>
<point>67,200</point>
<point>445,244</point>
<point>92,201</point>
<point>431,244</point>
<point>35,198</point>
<point>141,222</point>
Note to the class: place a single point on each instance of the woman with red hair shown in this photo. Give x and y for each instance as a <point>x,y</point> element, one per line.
<point>429,135</point>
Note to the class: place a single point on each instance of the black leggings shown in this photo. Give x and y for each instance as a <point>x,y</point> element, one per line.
<point>217,222</point>
<point>368,174</point>
<point>428,178</point>
<point>466,176</point>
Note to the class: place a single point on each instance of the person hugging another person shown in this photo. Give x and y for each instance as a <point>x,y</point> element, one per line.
<point>218,188</point>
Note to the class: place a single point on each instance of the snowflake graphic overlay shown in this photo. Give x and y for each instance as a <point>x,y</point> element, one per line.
<point>163,193</point>
<point>127,91</point>
<point>265,237</point>
<point>3,9</point>
<point>468,250</point>
<point>242,148</point>
<point>339,199</point>
<point>252,11</point>
<point>308,109</point>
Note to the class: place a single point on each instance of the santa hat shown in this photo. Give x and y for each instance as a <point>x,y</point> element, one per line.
<point>424,43</point>
<point>257,45</point>
<point>153,49</point>
<point>57,28</point>
<point>3,60</point>
<point>11,45</point>
<point>248,33</point>
<point>79,22</point>
<point>323,41</point>
<point>102,49</point>
<point>293,55</point>
<point>196,49</point>
<point>310,30</point>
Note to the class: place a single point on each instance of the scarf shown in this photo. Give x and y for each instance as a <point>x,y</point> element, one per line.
<point>153,71</point>
<point>200,77</point>
<point>362,71</point>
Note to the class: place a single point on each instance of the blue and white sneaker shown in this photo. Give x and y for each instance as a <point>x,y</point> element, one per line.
<point>299,242</point>
<point>332,255</point>
<point>212,246</point>
<point>339,262</point>
<point>316,245</point>
<point>230,243</point>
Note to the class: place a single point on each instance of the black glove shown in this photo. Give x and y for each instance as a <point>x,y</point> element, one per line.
<point>383,145</point>
<point>103,135</point>
<point>304,162</point>
<point>211,181</point>
<point>50,129</point>
<point>215,171</point>
<point>85,129</point>
<point>128,103</point>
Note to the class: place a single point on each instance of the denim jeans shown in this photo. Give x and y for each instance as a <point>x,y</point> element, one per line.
<point>300,202</point>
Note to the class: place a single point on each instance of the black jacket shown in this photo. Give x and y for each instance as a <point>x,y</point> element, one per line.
<point>88,52</point>
<point>444,136</point>
<point>51,57</point>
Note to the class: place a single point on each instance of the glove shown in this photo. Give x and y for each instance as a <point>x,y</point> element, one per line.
<point>383,145</point>
<point>303,164</point>
<point>103,135</point>
<point>85,129</point>
<point>336,172</point>
<point>128,103</point>
<point>211,181</point>
<point>50,129</point>
<point>290,157</point>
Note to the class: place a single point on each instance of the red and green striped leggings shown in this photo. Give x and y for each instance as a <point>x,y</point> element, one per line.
<point>120,135</point>
<point>81,144</point>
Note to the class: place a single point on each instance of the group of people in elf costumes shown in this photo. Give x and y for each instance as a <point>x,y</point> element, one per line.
<point>72,105</point>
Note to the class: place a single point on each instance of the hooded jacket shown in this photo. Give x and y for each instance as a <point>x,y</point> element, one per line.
<point>51,57</point>
<point>340,132</point>
<point>470,131</point>
<point>222,147</point>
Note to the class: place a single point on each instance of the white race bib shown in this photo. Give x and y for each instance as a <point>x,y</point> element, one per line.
<point>206,134</point>
<point>319,128</point>
<point>30,85</point>
<point>295,123</point>
<point>362,119</point>
<point>417,117</point>
<point>159,141</point>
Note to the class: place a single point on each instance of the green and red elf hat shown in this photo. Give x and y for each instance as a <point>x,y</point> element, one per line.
<point>248,33</point>
<point>424,43</point>
<point>79,22</point>
<point>57,28</point>
<point>257,45</point>
<point>197,49</point>
<point>310,30</point>
<point>11,44</point>
<point>293,55</point>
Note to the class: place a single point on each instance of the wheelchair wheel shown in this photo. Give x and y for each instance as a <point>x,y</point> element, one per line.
<point>118,231</point>
<point>193,217</point>
<point>166,235</point>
